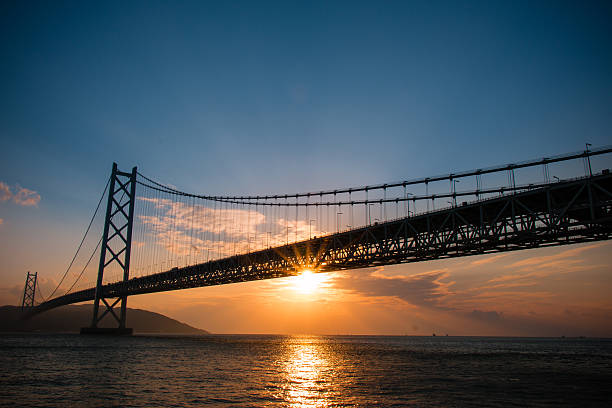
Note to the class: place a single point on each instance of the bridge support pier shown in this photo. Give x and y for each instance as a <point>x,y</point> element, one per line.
<point>117,245</point>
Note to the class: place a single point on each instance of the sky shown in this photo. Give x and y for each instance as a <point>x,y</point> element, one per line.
<point>275,97</point>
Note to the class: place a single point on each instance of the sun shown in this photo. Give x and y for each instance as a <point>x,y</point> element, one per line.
<point>307,282</point>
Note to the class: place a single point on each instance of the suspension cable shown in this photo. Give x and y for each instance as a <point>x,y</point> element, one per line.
<point>506,167</point>
<point>427,196</point>
<point>44,299</point>
<point>82,240</point>
<point>86,265</point>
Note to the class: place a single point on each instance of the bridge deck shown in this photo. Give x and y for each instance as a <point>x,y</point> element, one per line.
<point>560,213</point>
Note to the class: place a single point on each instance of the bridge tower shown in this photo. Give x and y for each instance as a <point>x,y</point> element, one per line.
<point>116,249</point>
<point>29,290</point>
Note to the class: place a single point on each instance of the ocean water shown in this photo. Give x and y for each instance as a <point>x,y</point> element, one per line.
<point>303,371</point>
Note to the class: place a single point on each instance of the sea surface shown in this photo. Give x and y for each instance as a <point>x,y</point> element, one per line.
<point>303,371</point>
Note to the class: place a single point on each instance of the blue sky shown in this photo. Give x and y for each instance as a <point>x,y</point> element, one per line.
<point>258,97</point>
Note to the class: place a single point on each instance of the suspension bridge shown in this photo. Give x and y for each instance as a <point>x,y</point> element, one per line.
<point>156,238</point>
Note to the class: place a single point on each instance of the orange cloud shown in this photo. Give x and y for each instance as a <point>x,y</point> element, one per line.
<point>22,196</point>
<point>550,259</point>
<point>422,289</point>
<point>528,270</point>
<point>26,197</point>
<point>489,259</point>
<point>5,192</point>
<point>203,232</point>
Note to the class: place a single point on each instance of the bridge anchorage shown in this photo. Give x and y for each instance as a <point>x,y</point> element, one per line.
<point>184,240</point>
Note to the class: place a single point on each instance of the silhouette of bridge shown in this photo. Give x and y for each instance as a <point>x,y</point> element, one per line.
<point>157,238</point>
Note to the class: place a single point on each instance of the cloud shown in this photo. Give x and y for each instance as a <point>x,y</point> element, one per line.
<point>202,231</point>
<point>553,260</point>
<point>26,197</point>
<point>489,317</point>
<point>5,192</point>
<point>423,289</point>
<point>11,295</point>
<point>540,272</point>
<point>527,272</point>
<point>488,259</point>
<point>22,196</point>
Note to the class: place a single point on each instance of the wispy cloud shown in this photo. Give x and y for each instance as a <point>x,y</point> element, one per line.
<point>5,192</point>
<point>423,289</point>
<point>552,260</point>
<point>184,229</point>
<point>528,271</point>
<point>533,324</point>
<point>22,196</point>
<point>542,271</point>
<point>488,259</point>
<point>489,316</point>
<point>26,197</point>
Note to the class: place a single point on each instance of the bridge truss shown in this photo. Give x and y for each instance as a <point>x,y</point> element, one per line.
<point>203,245</point>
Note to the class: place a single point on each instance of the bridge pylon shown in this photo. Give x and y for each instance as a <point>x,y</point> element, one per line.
<point>115,249</point>
<point>29,291</point>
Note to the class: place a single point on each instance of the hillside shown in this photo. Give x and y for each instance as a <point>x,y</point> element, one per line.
<point>70,319</point>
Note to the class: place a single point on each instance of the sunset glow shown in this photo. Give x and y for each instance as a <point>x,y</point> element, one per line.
<point>308,282</point>
<point>274,104</point>
<point>306,204</point>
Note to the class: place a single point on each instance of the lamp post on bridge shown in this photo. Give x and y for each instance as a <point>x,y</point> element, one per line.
<point>455,192</point>
<point>370,213</point>
<point>408,203</point>
<point>588,158</point>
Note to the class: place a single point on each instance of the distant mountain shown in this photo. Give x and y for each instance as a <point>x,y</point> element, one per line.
<point>70,319</point>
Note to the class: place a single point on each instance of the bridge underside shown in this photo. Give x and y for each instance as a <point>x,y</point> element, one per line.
<point>562,213</point>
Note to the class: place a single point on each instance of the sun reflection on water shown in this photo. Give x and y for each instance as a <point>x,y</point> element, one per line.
<point>306,370</point>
